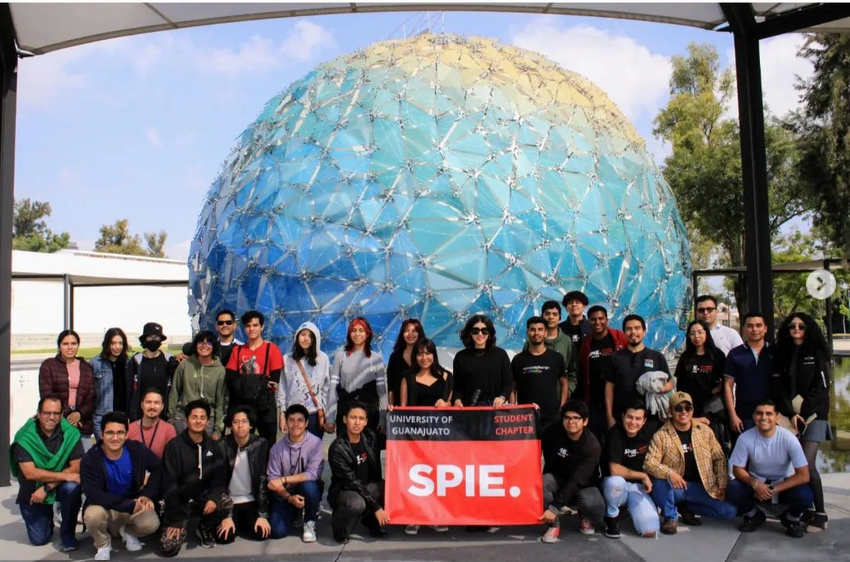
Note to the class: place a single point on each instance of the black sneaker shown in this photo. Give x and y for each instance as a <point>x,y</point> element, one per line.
<point>688,517</point>
<point>793,529</point>
<point>612,529</point>
<point>340,536</point>
<point>206,536</point>
<point>751,523</point>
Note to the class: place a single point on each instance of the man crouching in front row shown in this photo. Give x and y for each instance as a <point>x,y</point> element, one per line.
<point>121,480</point>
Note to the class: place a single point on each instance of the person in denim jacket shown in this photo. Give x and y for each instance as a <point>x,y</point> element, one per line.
<point>111,372</point>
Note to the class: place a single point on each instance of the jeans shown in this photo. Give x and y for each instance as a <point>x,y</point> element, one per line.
<point>798,498</point>
<point>589,500</point>
<point>666,496</point>
<point>618,492</point>
<point>38,518</point>
<point>281,512</point>
<point>349,507</point>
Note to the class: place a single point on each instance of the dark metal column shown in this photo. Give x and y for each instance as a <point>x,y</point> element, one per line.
<point>753,161</point>
<point>8,93</point>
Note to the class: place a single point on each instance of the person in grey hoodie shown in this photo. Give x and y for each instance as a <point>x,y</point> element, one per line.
<point>200,376</point>
<point>306,362</point>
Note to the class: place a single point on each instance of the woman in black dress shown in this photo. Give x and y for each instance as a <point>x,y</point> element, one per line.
<point>427,383</point>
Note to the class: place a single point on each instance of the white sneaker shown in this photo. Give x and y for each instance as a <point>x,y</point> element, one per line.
<point>309,532</point>
<point>131,543</point>
<point>411,530</point>
<point>440,528</point>
<point>104,553</point>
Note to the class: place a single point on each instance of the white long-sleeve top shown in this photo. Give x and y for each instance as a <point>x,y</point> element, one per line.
<point>292,388</point>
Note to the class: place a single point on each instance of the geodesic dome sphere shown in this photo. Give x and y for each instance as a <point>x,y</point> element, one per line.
<point>438,177</point>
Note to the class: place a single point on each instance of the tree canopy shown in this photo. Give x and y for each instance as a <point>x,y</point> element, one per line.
<point>117,239</point>
<point>30,231</point>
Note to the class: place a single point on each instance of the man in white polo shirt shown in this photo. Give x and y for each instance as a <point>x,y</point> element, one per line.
<point>725,338</point>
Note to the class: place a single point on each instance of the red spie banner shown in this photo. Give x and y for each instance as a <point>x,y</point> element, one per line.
<point>463,466</point>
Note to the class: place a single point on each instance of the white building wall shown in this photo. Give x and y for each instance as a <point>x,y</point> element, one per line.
<point>38,305</point>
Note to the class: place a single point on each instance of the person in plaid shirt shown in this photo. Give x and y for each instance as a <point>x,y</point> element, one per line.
<point>687,464</point>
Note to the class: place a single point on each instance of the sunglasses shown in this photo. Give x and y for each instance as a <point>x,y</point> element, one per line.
<point>705,310</point>
<point>224,322</point>
<point>206,343</point>
<point>683,408</point>
<point>796,326</point>
<point>482,331</point>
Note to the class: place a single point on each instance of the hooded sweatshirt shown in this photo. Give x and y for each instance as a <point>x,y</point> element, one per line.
<point>191,471</point>
<point>193,381</point>
<point>293,389</point>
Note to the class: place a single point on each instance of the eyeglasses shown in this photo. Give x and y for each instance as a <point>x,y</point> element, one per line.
<point>111,434</point>
<point>482,331</point>
<point>796,326</point>
<point>239,422</point>
<point>572,419</point>
<point>206,343</point>
<point>705,310</point>
<point>224,322</point>
<point>683,408</point>
<point>51,414</point>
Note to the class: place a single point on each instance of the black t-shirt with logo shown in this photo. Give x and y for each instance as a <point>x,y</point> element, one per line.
<point>691,470</point>
<point>361,456</point>
<point>626,368</point>
<point>628,451</point>
<point>537,379</point>
<point>574,331</point>
<point>599,367</point>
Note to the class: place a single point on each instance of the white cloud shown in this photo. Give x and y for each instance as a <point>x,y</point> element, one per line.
<point>780,67</point>
<point>153,137</point>
<point>44,80</point>
<point>305,41</point>
<point>635,78</point>
<point>256,55</point>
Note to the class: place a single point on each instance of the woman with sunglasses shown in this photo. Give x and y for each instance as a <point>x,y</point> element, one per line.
<point>200,376</point>
<point>801,392</point>
<point>699,372</point>
<point>70,378</point>
<point>401,359</point>
<point>357,374</point>
<point>482,371</point>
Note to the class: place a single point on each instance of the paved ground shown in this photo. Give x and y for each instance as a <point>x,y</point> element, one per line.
<point>712,542</point>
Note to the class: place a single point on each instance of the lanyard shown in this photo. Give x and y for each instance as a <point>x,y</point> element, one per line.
<point>153,437</point>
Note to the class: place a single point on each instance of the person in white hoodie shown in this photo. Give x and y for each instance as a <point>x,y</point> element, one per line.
<point>306,379</point>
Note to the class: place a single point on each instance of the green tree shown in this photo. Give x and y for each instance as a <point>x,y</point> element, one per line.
<point>704,169</point>
<point>117,239</point>
<point>824,129</point>
<point>29,228</point>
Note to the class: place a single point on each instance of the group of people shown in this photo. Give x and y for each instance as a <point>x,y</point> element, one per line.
<point>152,440</point>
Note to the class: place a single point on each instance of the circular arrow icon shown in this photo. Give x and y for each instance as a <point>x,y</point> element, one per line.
<point>821,284</point>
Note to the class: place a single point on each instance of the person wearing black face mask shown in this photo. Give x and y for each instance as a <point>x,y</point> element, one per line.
<point>152,368</point>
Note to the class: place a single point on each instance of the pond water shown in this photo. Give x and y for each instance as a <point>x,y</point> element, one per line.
<point>835,456</point>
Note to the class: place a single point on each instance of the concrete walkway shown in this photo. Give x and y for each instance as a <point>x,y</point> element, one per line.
<point>712,542</point>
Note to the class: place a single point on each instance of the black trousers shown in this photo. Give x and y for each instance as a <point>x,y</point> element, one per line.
<point>349,506</point>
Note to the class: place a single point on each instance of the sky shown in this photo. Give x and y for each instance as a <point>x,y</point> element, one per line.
<point>138,127</point>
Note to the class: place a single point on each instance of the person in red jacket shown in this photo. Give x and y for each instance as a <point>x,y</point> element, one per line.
<point>70,378</point>
<point>594,363</point>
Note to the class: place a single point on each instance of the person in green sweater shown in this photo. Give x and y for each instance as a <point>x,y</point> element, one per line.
<point>561,342</point>
<point>200,376</point>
